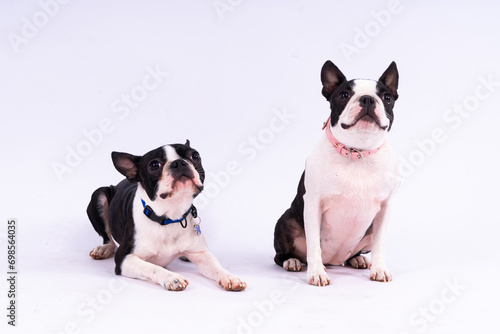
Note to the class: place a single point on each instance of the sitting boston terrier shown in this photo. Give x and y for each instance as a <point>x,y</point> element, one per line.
<point>151,218</point>
<point>342,202</point>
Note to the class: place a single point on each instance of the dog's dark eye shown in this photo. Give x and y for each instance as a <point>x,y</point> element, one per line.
<point>195,156</point>
<point>387,98</point>
<point>154,165</point>
<point>344,95</point>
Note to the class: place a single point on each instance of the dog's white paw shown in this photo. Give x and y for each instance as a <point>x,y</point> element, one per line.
<point>292,265</point>
<point>359,262</point>
<point>173,282</point>
<point>318,277</point>
<point>380,273</point>
<point>102,252</point>
<point>231,282</point>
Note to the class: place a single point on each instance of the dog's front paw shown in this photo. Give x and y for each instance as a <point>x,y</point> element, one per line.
<point>380,273</point>
<point>318,277</point>
<point>173,282</point>
<point>232,283</point>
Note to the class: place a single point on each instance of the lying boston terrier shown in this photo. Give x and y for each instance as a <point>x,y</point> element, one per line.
<point>150,217</point>
<point>341,207</point>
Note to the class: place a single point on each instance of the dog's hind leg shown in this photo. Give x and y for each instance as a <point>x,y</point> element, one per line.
<point>358,261</point>
<point>289,234</point>
<point>97,211</point>
<point>286,240</point>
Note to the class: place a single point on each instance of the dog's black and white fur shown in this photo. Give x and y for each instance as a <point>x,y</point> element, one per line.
<point>340,210</point>
<point>167,180</point>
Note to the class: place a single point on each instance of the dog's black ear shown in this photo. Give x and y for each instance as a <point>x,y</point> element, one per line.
<point>188,144</point>
<point>331,78</point>
<point>127,164</point>
<point>390,79</point>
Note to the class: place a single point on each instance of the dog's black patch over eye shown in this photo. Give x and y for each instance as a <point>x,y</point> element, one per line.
<point>195,156</point>
<point>339,99</point>
<point>344,95</point>
<point>154,165</point>
<point>387,98</point>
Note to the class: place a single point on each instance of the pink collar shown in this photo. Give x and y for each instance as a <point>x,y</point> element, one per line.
<point>342,149</point>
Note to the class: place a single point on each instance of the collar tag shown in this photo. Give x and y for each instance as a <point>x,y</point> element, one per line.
<point>196,222</point>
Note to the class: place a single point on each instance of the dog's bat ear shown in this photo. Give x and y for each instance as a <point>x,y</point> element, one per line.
<point>390,79</point>
<point>331,78</point>
<point>127,165</point>
<point>188,144</point>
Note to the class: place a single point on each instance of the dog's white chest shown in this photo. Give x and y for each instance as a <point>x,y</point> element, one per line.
<point>349,195</point>
<point>161,244</point>
<point>344,223</point>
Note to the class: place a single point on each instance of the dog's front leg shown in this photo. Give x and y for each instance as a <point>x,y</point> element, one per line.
<point>135,267</point>
<point>379,270</point>
<point>316,272</point>
<point>210,267</point>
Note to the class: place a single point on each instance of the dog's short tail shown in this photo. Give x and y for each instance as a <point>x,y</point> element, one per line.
<point>98,210</point>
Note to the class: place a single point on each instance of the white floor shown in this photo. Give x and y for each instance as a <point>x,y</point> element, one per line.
<point>240,79</point>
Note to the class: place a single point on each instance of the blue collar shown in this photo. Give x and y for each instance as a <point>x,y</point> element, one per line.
<point>164,220</point>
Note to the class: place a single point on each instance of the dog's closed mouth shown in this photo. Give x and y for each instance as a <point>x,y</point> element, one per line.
<point>185,180</point>
<point>365,118</point>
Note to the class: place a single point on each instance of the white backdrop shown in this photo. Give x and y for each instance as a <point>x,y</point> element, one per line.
<point>240,79</point>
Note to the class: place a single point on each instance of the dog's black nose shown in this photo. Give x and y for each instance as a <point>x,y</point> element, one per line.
<point>366,101</point>
<point>178,163</point>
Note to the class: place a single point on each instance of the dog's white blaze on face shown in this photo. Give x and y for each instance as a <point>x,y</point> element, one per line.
<point>362,88</point>
<point>172,156</point>
<point>362,135</point>
<point>171,153</point>
<point>166,184</point>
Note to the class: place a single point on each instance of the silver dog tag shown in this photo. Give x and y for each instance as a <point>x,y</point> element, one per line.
<point>196,222</point>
